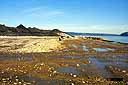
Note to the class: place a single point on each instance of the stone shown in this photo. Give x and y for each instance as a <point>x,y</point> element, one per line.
<point>72,84</point>
<point>77,65</point>
<point>124,71</point>
<point>74,75</point>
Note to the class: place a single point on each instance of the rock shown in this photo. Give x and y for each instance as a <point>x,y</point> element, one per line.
<point>54,72</point>
<point>77,65</point>
<point>83,82</point>
<point>15,83</point>
<point>124,71</point>
<point>74,76</point>
<point>21,30</point>
<point>42,64</point>
<point>72,84</point>
<point>19,82</point>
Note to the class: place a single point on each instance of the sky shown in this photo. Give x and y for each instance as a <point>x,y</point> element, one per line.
<point>89,16</point>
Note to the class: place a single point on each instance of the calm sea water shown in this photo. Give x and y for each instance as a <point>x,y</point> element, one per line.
<point>116,38</point>
<point>122,39</point>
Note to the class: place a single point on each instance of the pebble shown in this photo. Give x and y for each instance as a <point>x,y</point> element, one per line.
<point>74,75</point>
<point>16,76</point>
<point>2,72</point>
<point>70,80</point>
<point>72,84</point>
<point>3,79</point>
<point>42,64</point>
<point>50,75</point>
<point>83,70</point>
<point>25,72</point>
<point>118,69</point>
<point>54,72</point>
<point>15,83</point>
<point>19,82</point>
<point>71,74</point>
<point>124,71</point>
<point>7,78</point>
<point>83,82</point>
<point>89,61</point>
<point>77,65</point>
<point>110,66</point>
<point>28,83</point>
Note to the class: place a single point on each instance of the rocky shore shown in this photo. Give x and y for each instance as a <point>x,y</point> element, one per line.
<point>46,60</point>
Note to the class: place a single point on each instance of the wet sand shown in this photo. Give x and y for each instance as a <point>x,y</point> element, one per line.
<point>69,62</point>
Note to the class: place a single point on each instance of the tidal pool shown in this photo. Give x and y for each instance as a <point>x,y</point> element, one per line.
<point>15,57</point>
<point>101,63</point>
<point>70,70</point>
<point>71,57</point>
<point>100,67</point>
<point>85,48</point>
<point>103,49</point>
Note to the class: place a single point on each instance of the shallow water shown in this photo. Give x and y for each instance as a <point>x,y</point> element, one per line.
<point>101,67</point>
<point>70,70</point>
<point>38,81</point>
<point>101,63</point>
<point>71,57</point>
<point>103,49</point>
<point>17,58</point>
<point>119,60</point>
<point>85,48</point>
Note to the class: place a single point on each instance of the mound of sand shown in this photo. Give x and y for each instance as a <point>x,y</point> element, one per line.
<point>29,44</point>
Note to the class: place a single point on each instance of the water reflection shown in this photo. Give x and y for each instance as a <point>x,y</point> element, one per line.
<point>17,58</point>
<point>101,63</point>
<point>103,49</point>
<point>85,48</point>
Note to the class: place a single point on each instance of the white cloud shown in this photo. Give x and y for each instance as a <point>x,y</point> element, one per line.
<point>42,12</point>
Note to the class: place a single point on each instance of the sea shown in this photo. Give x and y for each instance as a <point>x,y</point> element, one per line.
<point>109,37</point>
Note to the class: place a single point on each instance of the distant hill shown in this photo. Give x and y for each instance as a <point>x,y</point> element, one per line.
<point>21,30</point>
<point>124,34</point>
<point>91,34</point>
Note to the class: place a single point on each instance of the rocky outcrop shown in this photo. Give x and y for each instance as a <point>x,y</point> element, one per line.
<point>21,30</point>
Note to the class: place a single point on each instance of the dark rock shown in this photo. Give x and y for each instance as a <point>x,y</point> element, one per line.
<point>21,30</point>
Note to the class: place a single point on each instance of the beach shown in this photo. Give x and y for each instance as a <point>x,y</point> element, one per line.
<point>28,44</point>
<point>46,60</point>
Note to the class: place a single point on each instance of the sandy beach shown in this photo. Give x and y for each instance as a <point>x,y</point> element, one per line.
<point>29,44</point>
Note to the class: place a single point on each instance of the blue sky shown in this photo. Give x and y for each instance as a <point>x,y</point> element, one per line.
<point>104,16</point>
